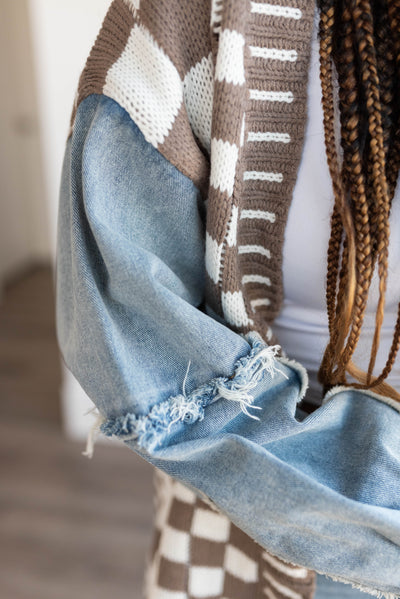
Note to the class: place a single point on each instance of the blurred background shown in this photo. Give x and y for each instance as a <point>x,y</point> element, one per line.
<point>70,527</point>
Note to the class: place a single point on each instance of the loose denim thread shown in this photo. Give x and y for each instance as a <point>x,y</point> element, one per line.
<point>93,432</point>
<point>362,588</point>
<point>150,430</point>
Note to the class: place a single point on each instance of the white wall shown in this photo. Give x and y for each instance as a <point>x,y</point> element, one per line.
<point>63,33</point>
<point>24,230</point>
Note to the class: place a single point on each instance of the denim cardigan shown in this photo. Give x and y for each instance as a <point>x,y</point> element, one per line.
<point>211,407</point>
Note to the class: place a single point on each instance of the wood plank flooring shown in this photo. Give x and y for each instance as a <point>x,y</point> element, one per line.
<point>70,527</point>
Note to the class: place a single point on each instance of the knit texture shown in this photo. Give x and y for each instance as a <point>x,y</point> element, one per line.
<point>197,552</point>
<point>220,89</point>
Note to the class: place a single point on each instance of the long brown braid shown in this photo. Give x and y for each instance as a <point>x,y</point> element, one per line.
<point>360,48</point>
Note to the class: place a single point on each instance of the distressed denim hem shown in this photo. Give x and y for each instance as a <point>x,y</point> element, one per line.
<point>150,430</point>
<point>355,585</point>
<point>339,388</point>
<point>362,588</point>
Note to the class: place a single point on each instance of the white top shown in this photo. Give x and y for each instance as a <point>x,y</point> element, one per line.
<point>302,325</point>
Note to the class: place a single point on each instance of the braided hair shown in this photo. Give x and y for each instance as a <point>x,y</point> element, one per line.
<point>360,61</point>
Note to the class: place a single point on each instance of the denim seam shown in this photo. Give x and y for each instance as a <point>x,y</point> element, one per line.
<point>339,388</point>
<point>150,430</point>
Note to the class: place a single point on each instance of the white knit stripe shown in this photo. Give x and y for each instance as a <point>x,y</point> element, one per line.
<point>216,15</point>
<point>281,588</point>
<point>232,227</point>
<point>271,96</point>
<point>273,53</point>
<point>262,176</point>
<point>161,593</point>
<point>269,334</point>
<point>230,58</point>
<point>261,214</point>
<point>276,10</point>
<point>240,565</point>
<point>213,258</point>
<point>210,525</point>
<point>146,83</point>
<point>205,581</point>
<point>223,165</point>
<point>268,593</point>
<point>234,309</point>
<point>174,544</point>
<point>133,4</point>
<point>242,129</point>
<point>198,93</point>
<point>256,279</point>
<point>268,136</point>
<point>292,571</point>
<point>262,301</point>
<point>254,249</point>
<point>183,493</point>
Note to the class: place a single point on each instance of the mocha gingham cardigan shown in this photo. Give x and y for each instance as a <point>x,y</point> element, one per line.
<point>219,87</point>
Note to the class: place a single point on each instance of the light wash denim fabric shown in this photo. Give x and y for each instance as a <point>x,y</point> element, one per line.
<point>212,408</point>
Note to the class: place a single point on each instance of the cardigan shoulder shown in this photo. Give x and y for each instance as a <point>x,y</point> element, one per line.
<point>150,61</point>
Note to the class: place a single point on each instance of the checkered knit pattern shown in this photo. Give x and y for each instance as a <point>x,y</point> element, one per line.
<point>198,553</point>
<point>219,87</point>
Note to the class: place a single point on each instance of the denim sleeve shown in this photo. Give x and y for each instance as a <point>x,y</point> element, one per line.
<point>212,408</point>
<point>130,270</point>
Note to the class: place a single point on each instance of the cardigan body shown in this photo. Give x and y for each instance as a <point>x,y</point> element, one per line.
<point>220,89</point>
<point>185,141</point>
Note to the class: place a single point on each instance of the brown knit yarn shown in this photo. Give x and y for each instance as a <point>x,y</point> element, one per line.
<point>361,38</point>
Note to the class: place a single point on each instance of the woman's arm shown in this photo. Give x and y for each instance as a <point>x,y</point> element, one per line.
<point>130,272</point>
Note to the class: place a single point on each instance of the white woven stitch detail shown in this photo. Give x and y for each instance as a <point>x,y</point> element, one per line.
<point>230,62</point>
<point>134,5</point>
<point>261,214</point>
<point>276,10</point>
<point>205,581</point>
<point>210,525</point>
<point>281,588</point>
<point>256,279</point>
<point>232,229</point>
<point>240,565</point>
<point>213,258</point>
<point>262,176</point>
<point>242,129</point>
<point>271,96</point>
<point>198,92</point>
<point>146,84</point>
<point>223,164</point>
<point>234,308</point>
<point>273,53</point>
<point>174,544</point>
<point>254,249</point>
<point>264,301</point>
<point>216,15</point>
<point>268,136</point>
<point>287,569</point>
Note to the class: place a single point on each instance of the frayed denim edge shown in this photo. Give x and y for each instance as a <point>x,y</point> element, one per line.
<point>355,585</point>
<point>150,430</point>
<point>362,587</point>
<point>339,388</point>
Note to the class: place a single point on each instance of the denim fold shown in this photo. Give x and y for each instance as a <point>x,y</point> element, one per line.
<point>212,408</point>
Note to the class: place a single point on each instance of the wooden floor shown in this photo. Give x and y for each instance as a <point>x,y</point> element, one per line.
<point>70,527</point>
